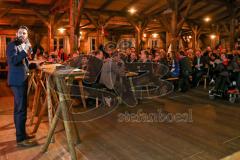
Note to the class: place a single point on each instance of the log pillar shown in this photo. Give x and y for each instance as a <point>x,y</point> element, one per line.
<point>51,34</point>
<point>72,17</point>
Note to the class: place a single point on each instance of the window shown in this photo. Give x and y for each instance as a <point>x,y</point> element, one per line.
<point>55,44</point>
<point>92,44</point>
<point>58,43</point>
<point>61,43</point>
<point>154,43</point>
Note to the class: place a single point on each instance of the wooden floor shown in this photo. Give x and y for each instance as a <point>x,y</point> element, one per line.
<point>212,132</point>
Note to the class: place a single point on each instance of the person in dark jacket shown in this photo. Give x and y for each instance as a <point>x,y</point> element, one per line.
<point>185,70</point>
<point>198,68</point>
<point>17,53</point>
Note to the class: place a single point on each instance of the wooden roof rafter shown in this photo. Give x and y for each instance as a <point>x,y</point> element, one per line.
<point>23,2</point>
<point>16,5</point>
<point>207,10</point>
<point>153,3</point>
<point>158,11</point>
<point>42,18</point>
<point>5,12</point>
<point>79,14</point>
<point>104,5</point>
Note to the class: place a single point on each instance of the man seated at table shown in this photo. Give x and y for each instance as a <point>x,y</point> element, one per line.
<point>111,70</point>
<point>78,61</point>
<point>93,68</point>
<point>113,77</point>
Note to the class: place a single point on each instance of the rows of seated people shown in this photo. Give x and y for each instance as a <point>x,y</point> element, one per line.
<point>188,66</point>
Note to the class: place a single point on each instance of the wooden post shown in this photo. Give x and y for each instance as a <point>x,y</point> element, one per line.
<point>50,34</point>
<point>72,18</point>
<point>174,29</point>
<point>195,37</point>
<point>231,36</point>
<point>77,21</point>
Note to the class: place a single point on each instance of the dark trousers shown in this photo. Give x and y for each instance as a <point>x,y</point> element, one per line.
<point>20,110</point>
<point>221,82</point>
<point>184,82</point>
<point>197,75</point>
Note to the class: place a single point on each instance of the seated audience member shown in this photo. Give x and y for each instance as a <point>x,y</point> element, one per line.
<point>61,55</point>
<point>112,69</point>
<point>105,53</point>
<point>91,80</point>
<point>235,70</point>
<point>222,74</point>
<point>78,61</point>
<point>144,57</point>
<point>163,57</point>
<point>198,68</point>
<point>185,70</point>
<point>132,58</point>
<point>93,68</point>
<point>150,57</point>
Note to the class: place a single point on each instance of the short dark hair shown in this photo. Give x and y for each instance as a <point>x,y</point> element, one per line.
<point>96,52</point>
<point>23,27</point>
<point>182,53</point>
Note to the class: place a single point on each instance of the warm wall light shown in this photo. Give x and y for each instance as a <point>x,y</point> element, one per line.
<point>61,30</point>
<point>155,35</point>
<point>212,36</point>
<point>144,35</point>
<point>132,10</point>
<point>207,19</point>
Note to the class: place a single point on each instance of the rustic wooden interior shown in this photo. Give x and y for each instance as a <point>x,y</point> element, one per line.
<point>214,132</point>
<point>109,20</point>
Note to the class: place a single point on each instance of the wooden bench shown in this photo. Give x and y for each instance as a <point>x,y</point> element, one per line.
<point>172,79</point>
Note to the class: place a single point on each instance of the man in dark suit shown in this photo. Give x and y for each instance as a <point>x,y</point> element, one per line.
<point>198,68</point>
<point>17,53</point>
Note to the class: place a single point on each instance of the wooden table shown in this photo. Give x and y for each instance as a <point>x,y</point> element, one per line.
<point>61,96</point>
<point>63,91</point>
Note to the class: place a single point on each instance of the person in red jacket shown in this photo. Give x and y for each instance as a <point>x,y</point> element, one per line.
<point>61,55</point>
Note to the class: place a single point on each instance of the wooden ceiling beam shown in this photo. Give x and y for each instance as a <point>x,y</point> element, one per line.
<point>104,12</point>
<point>15,5</point>
<point>59,19</point>
<point>164,23</point>
<point>87,24</point>
<point>158,11</point>
<point>91,19</point>
<point>59,6</point>
<point>42,18</point>
<point>132,2</point>
<point>23,2</point>
<point>205,10</point>
<point>153,3</point>
<point>104,5</point>
<point>79,14</point>
<point>106,21</point>
<point>6,11</point>
<point>185,15</point>
<point>53,2</point>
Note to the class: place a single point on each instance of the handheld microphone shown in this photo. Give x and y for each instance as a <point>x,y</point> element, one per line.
<point>29,46</point>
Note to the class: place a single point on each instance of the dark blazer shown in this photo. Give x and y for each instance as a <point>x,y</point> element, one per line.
<point>17,70</point>
<point>202,61</point>
<point>94,68</point>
